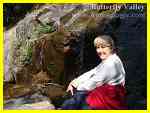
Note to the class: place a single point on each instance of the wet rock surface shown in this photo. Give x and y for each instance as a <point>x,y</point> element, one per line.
<point>30,101</point>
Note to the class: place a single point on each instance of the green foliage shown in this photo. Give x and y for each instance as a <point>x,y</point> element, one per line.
<point>41,29</point>
<point>45,28</point>
<point>26,56</point>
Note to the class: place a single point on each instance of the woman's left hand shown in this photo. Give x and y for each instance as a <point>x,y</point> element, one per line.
<point>70,88</point>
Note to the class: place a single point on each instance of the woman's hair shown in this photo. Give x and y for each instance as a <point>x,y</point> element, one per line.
<point>108,39</point>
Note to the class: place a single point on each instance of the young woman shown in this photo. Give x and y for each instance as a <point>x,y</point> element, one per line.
<point>103,86</point>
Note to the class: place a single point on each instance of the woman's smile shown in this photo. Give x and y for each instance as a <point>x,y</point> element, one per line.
<point>103,52</point>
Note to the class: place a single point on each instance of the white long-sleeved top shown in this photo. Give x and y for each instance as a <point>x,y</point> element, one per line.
<point>109,71</point>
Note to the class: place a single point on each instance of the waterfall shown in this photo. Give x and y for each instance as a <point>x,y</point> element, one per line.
<point>7,50</point>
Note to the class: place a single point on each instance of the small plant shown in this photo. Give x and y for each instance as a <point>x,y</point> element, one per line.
<point>45,28</point>
<point>27,54</point>
<point>28,58</point>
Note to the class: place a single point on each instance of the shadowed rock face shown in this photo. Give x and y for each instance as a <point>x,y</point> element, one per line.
<point>67,52</point>
<point>48,56</point>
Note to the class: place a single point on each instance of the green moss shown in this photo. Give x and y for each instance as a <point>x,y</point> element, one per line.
<point>28,58</point>
<point>41,29</point>
<point>51,67</point>
<point>45,29</point>
<point>26,53</point>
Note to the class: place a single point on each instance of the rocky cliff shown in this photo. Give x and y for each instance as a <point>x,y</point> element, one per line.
<point>53,44</point>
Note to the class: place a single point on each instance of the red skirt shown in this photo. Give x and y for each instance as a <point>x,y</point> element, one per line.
<point>108,97</point>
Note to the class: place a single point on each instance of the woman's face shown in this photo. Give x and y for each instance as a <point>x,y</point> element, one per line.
<point>103,49</point>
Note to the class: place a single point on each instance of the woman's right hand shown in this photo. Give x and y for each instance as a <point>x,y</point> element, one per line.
<point>70,88</point>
